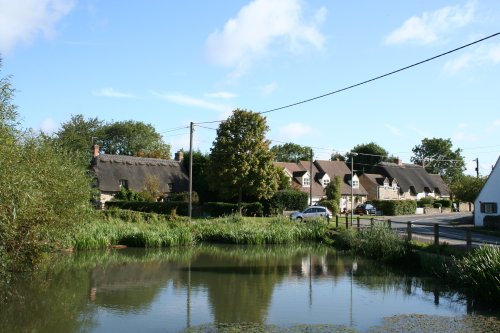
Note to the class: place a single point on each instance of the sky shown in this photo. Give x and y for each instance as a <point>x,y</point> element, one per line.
<point>169,63</point>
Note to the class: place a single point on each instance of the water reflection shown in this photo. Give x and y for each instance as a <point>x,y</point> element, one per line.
<point>173,289</point>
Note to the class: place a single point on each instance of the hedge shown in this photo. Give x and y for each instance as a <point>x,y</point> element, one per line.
<point>396,207</point>
<point>183,197</point>
<point>289,200</point>
<point>167,208</point>
<point>218,209</point>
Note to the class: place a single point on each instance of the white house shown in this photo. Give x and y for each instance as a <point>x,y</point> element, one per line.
<point>488,200</point>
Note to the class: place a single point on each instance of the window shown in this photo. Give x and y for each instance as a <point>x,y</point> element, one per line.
<point>355,183</point>
<point>489,207</point>
<point>306,181</point>
<point>326,181</point>
<point>170,187</point>
<point>124,183</point>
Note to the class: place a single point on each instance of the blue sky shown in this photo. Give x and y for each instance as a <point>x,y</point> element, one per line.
<point>169,63</point>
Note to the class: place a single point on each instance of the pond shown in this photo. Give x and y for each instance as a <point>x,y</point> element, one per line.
<point>219,288</point>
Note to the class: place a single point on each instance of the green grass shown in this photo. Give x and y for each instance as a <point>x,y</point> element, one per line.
<point>101,234</point>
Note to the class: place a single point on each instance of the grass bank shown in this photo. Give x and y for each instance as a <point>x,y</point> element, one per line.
<point>111,231</point>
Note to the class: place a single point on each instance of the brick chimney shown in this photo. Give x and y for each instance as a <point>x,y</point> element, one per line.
<point>96,151</point>
<point>399,161</point>
<point>179,156</point>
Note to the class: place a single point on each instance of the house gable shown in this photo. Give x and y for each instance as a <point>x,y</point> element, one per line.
<point>487,202</point>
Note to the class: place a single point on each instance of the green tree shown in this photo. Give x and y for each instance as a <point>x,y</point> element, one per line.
<point>368,155</point>
<point>8,110</point>
<point>291,152</point>
<point>78,133</point>
<point>437,156</point>
<point>133,138</point>
<point>240,160</point>
<point>333,195</point>
<point>201,163</point>
<point>466,188</point>
<point>337,157</point>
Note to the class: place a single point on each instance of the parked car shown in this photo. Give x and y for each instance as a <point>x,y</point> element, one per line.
<point>365,208</point>
<point>311,212</point>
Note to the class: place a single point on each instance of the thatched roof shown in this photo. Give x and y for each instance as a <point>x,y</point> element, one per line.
<point>412,175</point>
<point>110,169</point>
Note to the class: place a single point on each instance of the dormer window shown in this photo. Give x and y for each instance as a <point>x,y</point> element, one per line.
<point>123,183</point>
<point>326,181</point>
<point>306,181</point>
<point>355,183</point>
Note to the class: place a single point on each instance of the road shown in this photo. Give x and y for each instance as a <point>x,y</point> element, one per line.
<point>449,231</point>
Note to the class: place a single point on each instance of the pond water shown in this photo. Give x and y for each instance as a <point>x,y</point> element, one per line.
<point>210,288</point>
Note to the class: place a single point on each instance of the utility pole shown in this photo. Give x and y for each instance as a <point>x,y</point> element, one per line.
<point>352,182</point>
<point>477,167</point>
<point>311,179</point>
<point>190,170</point>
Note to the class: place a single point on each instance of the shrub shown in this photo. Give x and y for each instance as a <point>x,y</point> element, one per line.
<point>183,197</point>
<point>289,200</point>
<point>253,209</point>
<point>445,203</point>
<point>425,202</point>
<point>332,205</point>
<point>217,209</point>
<point>165,208</point>
<point>396,207</point>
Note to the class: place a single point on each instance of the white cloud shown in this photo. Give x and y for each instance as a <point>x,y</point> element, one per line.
<point>221,94</point>
<point>482,55</point>
<point>268,89</point>
<point>463,134</point>
<point>494,126</point>
<point>49,126</point>
<point>257,27</point>
<point>196,102</point>
<point>294,130</point>
<point>111,92</point>
<point>430,26</point>
<point>21,21</point>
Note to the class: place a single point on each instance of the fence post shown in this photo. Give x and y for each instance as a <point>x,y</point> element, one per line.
<point>389,223</point>
<point>436,236</point>
<point>372,221</point>
<point>408,230</point>
<point>357,222</point>
<point>469,238</point>
<point>336,221</point>
<point>346,221</point>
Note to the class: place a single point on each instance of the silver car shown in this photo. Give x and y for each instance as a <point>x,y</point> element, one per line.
<point>311,212</point>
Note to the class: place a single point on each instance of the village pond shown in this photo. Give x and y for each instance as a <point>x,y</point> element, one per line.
<point>219,288</point>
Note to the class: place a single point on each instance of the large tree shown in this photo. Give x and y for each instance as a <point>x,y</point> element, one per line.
<point>291,152</point>
<point>78,134</point>
<point>8,110</point>
<point>201,163</point>
<point>133,138</point>
<point>366,156</point>
<point>240,160</point>
<point>467,188</point>
<point>437,156</point>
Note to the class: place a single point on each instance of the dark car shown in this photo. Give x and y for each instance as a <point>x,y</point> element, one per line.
<point>366,208</point>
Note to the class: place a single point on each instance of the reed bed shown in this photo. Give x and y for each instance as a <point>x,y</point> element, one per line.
<point>233,230</point>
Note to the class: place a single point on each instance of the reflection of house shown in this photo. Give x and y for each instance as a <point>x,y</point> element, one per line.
<point>413,180</point>
<point>488,200</point>
<point>323,172</point>
<point>116,171</point>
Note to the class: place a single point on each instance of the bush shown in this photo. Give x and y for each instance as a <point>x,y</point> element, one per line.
<point>289,200</point>
<point>332,205</point>
<point>425,202</point>
<point>445,203</point>
<point>218,209</point>
<point>183,197</point>
<point>165,208</point>
<point>396,207</point>
<point>253,209</point>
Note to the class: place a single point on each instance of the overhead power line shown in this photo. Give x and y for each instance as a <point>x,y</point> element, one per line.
<point>381,76</point>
